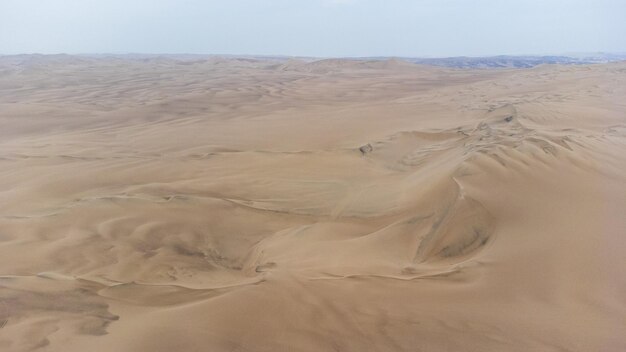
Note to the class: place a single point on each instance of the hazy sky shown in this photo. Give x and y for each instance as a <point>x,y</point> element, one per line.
<point>313,27</point>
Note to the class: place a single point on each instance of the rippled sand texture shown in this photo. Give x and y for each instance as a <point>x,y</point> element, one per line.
<point>261,205</point>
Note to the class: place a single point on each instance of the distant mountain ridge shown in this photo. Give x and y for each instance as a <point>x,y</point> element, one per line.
<point>318,63</point>
<point>516,61</point>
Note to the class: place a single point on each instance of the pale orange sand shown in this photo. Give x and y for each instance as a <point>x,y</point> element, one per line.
<point>224,205</point>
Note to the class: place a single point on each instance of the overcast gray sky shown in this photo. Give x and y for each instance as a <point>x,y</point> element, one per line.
<point>313,27</point>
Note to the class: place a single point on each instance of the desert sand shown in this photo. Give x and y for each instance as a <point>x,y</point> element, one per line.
<point>224,204</point>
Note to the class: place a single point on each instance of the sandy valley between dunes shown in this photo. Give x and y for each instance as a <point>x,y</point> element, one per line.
<point>264,205</point>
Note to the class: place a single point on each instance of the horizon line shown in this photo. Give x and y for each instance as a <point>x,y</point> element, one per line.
<point>562,54</point>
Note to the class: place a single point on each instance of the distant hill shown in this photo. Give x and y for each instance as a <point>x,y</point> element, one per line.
<point>516,61</point>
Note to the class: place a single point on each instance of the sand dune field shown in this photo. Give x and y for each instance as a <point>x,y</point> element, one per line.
<point>207,204</point>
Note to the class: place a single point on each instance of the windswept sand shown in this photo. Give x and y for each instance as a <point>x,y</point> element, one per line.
<point>224,205</point>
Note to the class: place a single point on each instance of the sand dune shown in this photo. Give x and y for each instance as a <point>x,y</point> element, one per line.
<point>264,205</point>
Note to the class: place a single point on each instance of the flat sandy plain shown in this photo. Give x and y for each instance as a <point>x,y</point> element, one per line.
<point>224,205</point>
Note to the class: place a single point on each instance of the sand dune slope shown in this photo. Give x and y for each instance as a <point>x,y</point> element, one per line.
<point>256,205</point>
